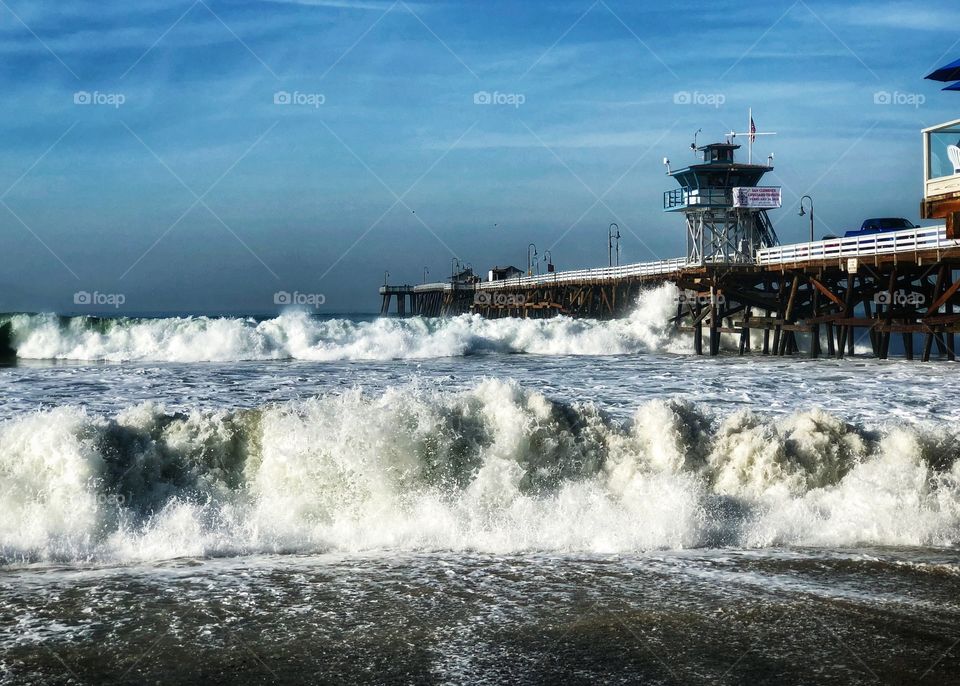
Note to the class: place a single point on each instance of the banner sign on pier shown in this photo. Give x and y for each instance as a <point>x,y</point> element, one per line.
<point>757,197</point>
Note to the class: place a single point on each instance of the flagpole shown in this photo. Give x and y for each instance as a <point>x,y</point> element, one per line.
<point>750,133</point>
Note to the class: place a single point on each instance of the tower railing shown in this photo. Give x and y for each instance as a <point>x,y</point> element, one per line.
<point>681,198</point>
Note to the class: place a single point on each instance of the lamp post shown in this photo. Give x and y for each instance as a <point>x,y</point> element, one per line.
<point>386,277</point>
<point>548,258</point>
<point>530,260</point>
<point>454,262</point>
<point>425,272</point>
<point>610,238</point>
<point>801,213</point>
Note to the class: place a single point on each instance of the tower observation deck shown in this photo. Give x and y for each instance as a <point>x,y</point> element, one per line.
<point>724,206</point>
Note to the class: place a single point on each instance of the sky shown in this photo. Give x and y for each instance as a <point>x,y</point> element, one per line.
<point>205,156</point>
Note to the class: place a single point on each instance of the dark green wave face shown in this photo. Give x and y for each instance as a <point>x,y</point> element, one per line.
<point>8,351</point>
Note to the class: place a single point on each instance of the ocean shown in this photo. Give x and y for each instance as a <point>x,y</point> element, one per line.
<point>360,500</point>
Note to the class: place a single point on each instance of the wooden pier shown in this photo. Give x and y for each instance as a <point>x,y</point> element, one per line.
<point>814,299</point>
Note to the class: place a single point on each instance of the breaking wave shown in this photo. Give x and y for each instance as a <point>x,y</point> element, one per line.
<point>496,468</point>
<point>296,335</point>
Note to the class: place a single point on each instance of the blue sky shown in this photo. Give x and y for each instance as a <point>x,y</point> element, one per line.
<point>178,181</point>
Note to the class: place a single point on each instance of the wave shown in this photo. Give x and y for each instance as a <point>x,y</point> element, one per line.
<point>496,468</point>
<point>296,335</point>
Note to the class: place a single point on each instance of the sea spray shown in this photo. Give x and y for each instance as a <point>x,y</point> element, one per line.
<point>297,335</point>
<point>496,468</point>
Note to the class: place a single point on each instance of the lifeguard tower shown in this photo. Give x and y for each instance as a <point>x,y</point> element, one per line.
<point>724,205</point>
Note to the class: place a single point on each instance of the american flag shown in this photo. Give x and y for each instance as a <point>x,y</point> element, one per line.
<point>753,131</point>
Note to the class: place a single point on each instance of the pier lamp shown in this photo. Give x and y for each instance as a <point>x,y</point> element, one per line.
<point>454,263</point>
<point>548,258</point>
<point>801,213</point>
<point>613,233</point>
<point>425,272</point>
<point>530,258</point>
<point>386,277</point>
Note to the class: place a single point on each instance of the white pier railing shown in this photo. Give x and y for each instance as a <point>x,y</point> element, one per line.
<point>598,274</point>
<point>901,242</point>
<point>906,241</point>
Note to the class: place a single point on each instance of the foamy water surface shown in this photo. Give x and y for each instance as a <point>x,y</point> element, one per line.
<point>288,472</point>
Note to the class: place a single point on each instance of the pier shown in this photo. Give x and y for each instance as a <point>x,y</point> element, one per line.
<point>813,298</point>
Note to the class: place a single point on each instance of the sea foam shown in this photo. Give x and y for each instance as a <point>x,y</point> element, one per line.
<point>497,468</point>
<point>296,335</point>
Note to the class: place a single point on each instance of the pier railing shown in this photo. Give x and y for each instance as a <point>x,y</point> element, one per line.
<point>931,238</point>
<point>600,274</point>
<point>906,241</point>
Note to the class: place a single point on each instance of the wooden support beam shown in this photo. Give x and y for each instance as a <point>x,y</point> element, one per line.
<point>791,301</point>
<point>944,297</point>
<point>786,340</point>
<point>888,312</point>
<point>825,318</point>
<point>760,322</point>
<point>698,330</point>
<point>714,325</point>
<point>901,328</point>
<point>745,333</point>
<point>950,335</point>
<point>927,346</point>
<point>605,300</point>
<point>815,329</point>
<point>826,291</point>
<point>941,319</point>
<point>874,336</point>
<point>868,322</point>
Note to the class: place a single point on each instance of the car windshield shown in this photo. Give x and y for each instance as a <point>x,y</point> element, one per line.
<point>887,223</point>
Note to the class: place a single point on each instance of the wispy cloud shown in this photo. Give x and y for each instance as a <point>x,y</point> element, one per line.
<point>897,15</point>
<point>374,5</point>
<point>572,139</point>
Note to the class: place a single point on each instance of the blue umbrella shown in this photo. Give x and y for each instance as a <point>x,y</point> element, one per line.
<point>950,72</point>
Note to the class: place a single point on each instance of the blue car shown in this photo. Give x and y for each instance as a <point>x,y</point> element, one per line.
<point>881,225</point>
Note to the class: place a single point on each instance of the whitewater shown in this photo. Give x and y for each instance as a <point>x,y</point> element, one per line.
<point>496,469</point>
<point>297,335</point>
